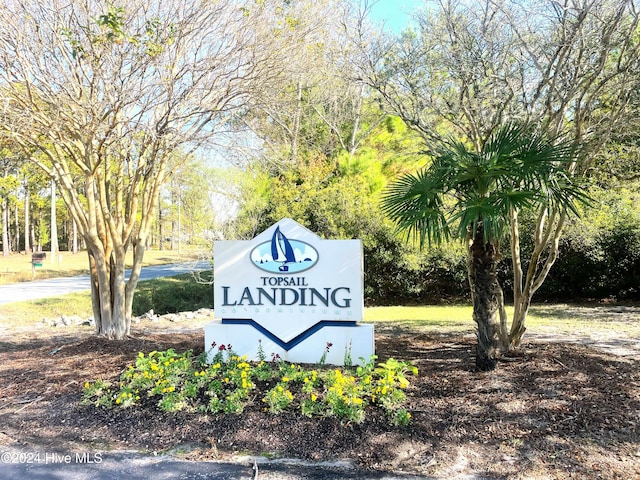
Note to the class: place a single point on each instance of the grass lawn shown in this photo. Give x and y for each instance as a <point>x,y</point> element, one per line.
<point>563,319</point>
<point>17,267</point>
<point>548,319</point>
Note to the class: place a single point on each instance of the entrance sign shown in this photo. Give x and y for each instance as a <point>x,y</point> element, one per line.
<point>289,292</point>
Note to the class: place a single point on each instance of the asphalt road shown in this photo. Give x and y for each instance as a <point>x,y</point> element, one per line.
<point>20,464</point>
<point>20,292</point>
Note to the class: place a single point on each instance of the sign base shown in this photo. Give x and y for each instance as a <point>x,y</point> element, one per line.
<point>343,344</point>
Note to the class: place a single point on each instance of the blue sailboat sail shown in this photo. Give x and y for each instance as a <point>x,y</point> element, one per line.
<point>281,250</point>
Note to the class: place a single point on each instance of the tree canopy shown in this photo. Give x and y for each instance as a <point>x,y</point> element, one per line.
<point>110,93</point>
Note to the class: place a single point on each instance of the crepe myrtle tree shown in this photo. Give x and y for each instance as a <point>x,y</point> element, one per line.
<point>110,94</point>
<point>475,196</point>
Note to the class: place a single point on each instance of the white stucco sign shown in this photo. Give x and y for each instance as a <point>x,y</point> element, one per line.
<point>290,293</point>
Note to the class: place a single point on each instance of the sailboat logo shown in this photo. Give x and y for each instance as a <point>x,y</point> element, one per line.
<point>283,255</point>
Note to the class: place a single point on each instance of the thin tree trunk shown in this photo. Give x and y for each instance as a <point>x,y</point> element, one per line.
<point>95,293</point>
<point>6,247</point>
<point>296,124</point>
<point>546,242</point>
<point>37,242</point>
<point>17,232</point>
<point>54,225</point>
<point>179,223</point>
<point>134,277</point>
<point>160,232</point>
<point>173,222</point>
<point>27,213</point>
<point>74,246</point>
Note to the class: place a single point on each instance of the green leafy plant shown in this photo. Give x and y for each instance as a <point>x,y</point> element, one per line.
<point>180,381</point>
<point>345,396</point>
<point>278,398</point>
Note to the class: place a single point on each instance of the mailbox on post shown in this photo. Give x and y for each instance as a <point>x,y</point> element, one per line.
<point>36,260</point>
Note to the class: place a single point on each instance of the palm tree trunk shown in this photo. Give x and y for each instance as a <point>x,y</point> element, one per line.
<point>487,299</point>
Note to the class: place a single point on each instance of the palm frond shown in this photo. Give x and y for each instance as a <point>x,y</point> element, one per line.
<point>414,203</point>
<point>518,168</point>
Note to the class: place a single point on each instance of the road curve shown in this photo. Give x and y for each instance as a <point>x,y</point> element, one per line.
<point>20,292</point>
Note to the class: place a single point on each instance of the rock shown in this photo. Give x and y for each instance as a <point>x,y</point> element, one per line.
<point>65,320</point>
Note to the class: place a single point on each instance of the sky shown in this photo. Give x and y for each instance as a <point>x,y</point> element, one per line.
<point>394,12</point>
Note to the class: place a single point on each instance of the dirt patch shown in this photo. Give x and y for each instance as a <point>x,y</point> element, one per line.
<point>559,410</point>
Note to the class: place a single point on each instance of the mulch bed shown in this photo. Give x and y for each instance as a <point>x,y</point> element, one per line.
<point>556,411</point>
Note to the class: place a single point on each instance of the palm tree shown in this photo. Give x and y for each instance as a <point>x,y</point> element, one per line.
<point>475,196</point>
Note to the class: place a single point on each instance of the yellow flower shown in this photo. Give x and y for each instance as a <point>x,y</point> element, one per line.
<point>314,397</point>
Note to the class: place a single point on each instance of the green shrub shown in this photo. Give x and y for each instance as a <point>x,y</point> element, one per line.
<point>171,295</point>
<point>599,253</point>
